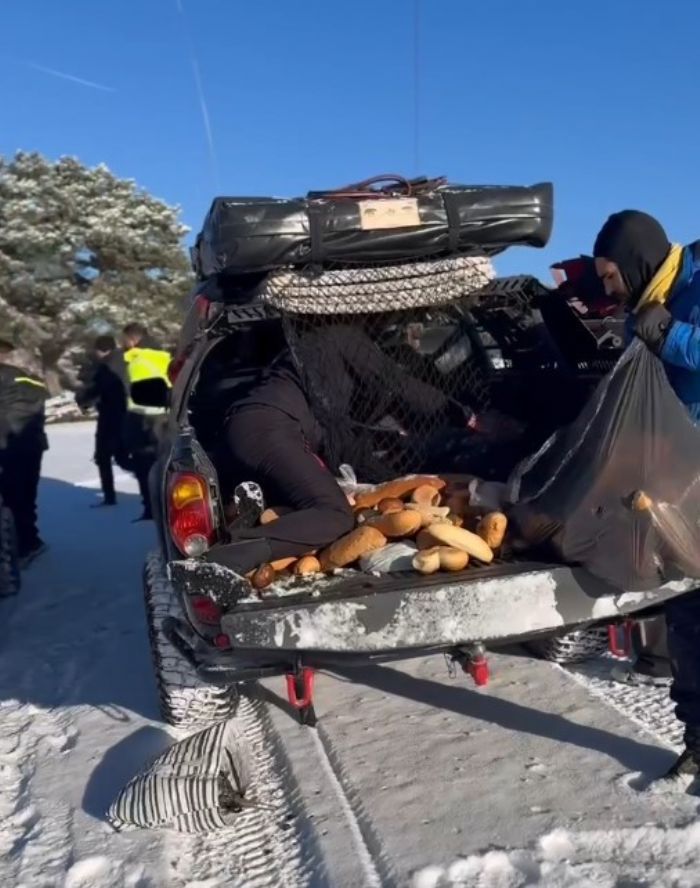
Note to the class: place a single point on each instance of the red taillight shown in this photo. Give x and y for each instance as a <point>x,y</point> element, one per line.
<point>201,305</point>
<point>190,514</point>
<point>205,610</point>
<point>174,368</point>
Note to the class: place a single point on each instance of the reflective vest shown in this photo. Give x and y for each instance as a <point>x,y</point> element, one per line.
<point>146,363</point>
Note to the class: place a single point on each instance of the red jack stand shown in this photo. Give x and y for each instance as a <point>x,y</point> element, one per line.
<point>300,693</point>
<point>472,658</point>
<point>620,647</point>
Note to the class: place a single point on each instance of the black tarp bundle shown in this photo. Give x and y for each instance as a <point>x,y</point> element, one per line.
<point>618,491</point>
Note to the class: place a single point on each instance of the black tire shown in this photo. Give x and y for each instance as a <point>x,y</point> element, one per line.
<point>572,647</point>
<point>186,701</point>
<point>9,564</point>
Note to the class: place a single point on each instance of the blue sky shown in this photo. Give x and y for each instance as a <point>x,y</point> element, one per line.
<point>600,97</point>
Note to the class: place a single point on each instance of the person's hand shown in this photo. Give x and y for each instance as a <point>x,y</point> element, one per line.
<point>652,325</point>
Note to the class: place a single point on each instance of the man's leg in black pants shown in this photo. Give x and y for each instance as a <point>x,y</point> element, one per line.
<point>21,490</point>
<point>104,449</point>
<point>683,622</point>
<point>268,446</point>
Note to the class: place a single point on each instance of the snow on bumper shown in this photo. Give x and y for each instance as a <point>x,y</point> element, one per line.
<point>489,609</point>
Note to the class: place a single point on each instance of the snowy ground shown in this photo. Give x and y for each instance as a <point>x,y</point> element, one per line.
<point>413,778</point>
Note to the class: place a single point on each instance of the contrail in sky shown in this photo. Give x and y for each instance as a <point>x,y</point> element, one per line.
<point>52,72</point>
<point>200,95</point>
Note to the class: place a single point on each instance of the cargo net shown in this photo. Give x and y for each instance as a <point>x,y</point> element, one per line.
<point>388,387</point>
<point>378,288</point>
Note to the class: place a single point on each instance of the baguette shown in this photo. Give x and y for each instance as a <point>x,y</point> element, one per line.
<point>351,547</point>
<point>459,538</point>
<point>397,524</point>
<point>396,489</point>
<point>282,564</point>
<point>492,529</point>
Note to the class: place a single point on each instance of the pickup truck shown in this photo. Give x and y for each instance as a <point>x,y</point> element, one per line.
<point>533,351</point>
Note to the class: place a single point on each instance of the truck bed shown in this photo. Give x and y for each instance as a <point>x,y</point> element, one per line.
<point>365,614</point>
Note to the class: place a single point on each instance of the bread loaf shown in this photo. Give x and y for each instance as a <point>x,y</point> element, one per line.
<point>492,529</point>
<point>452,559</point>
<point>263,576</point>
<point>459,538</point>
<point>425,495</point>
<point>351,546</point>
<point>396,489</point>
<point>390,504</point>
<point>395,525</point>
<point>429,514</point>
<point>427,561</point>
<point>307,565</point>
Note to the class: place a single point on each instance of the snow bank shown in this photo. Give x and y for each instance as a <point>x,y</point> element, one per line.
<point>562,859</point>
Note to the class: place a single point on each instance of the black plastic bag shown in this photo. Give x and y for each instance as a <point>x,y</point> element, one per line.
<point>618,491</point>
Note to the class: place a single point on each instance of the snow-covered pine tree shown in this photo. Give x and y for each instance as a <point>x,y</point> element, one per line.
<point>83,252</point>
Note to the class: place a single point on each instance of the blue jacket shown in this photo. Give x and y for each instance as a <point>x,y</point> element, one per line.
<point>681,351</point>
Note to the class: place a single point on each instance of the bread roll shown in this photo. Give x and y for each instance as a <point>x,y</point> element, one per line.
<point>427,561</point>
<point>459,538</point>
<point>389,505</point>
<point>309,564</point>
<point>452,559</point>
<point>492,529</point>
<point>425,495</point>
<point>263,576</point>
<point>641,502</point>
<point>397,524</point>
<point>351,546</point>
<point>396,489</point>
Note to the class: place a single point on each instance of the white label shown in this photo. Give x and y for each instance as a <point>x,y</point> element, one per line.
<point>398,212</point>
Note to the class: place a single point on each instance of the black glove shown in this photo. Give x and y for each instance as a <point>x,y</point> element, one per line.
<point>652,325</point>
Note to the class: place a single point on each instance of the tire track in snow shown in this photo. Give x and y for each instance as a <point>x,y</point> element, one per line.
<point>34,846</point>
<point>265,847</point>
<point>378,872</point>
<point>647,706</point>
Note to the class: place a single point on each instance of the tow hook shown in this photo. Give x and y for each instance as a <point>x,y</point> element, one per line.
<point>473,661</point>
<point>620,639</point>
<point>300,693</point>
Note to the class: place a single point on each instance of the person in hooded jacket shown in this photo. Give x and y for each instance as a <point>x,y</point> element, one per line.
<point>22,445</point>
<point>106,390</point>
<point>659,284</point>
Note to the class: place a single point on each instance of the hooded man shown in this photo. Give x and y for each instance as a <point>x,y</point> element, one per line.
<point>659,284</point>
<point>106,389</point>
<point>22,446</point>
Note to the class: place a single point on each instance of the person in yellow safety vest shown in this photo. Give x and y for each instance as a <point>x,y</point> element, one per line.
<point>144,359</point>
<point>22,445</point>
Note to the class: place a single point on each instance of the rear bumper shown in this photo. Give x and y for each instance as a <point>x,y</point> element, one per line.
<point>403,613</point>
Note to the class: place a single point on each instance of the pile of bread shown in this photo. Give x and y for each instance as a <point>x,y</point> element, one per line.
<point>419,523</point>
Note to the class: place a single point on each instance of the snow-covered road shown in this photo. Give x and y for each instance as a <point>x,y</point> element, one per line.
<point>411,778</point>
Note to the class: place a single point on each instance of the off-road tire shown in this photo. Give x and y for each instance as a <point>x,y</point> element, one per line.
<point>186,701</point>
<point>573,647</point>
<point>9,564</point>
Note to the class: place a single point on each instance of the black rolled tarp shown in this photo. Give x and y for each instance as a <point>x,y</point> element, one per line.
<point>247,234</point>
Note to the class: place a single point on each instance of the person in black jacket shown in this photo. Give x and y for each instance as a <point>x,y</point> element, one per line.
<point>22,445</point>
<point>106,390</point>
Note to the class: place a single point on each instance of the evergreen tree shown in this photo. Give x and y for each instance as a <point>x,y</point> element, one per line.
<point>81,253</point>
